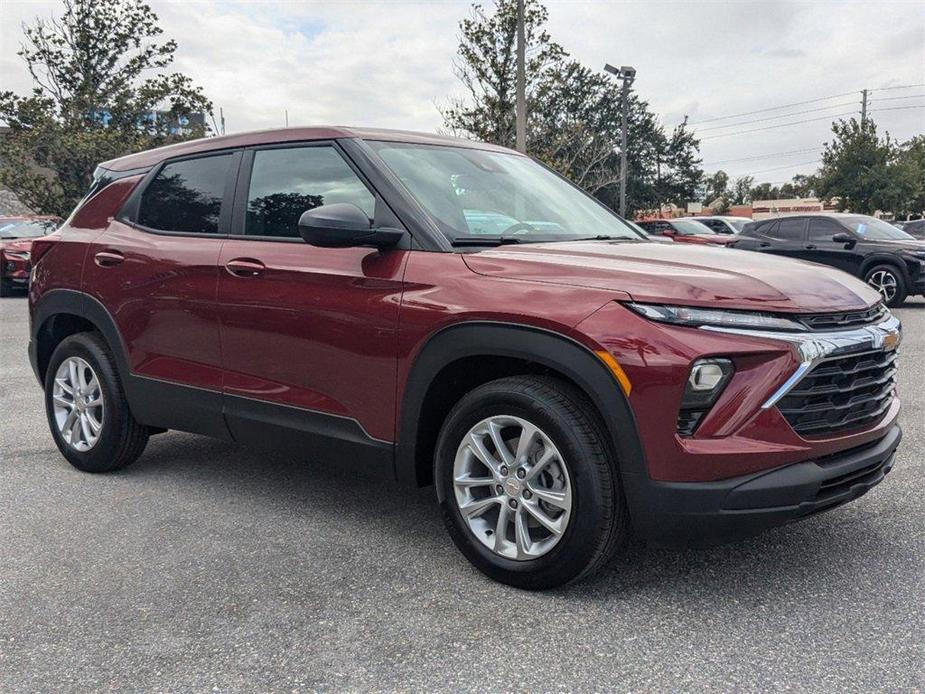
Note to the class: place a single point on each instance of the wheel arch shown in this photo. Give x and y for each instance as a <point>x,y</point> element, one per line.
<point>60,313</point>
<point>463,356</point>
<point>876,259</point>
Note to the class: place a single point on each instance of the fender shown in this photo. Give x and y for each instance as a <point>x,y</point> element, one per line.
<point>153,402</point>
<point>547,348</point>
<point>886,259</point>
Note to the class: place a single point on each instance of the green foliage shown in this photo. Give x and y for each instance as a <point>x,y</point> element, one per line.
<point>865,173</point>
<point>573,112</point>
<point>98,56</point>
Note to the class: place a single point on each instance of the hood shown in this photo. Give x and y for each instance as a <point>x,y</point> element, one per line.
<point>898,244</point>
<point>681,274</point>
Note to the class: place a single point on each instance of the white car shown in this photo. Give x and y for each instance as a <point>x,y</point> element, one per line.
<point>723,224</point>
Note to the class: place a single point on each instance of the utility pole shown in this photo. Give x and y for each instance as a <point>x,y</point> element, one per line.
<point>521,124</point>
<point>627,74</point>
<point>863,106</point>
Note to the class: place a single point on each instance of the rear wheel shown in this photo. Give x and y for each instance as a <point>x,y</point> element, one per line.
<point>528,490</point>
<point>888,280</point>
<point>86,407</point>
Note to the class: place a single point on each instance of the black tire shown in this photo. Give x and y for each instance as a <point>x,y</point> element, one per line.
<point>599,520</point>
<point>121,439</point>
<point>892,271</point>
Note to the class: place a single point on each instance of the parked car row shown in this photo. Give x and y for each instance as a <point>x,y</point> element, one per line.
<point>890,259</point>
<point>16,235</point>
<point>446,312</point>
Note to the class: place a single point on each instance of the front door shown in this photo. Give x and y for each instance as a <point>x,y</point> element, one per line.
<point>308,334</point>
<point>820,248</point>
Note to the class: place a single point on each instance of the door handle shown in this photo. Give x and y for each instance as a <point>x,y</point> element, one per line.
<point>764,244</point>
<point>108,258</point>
<point>810,247</point>
<point>245,267</point>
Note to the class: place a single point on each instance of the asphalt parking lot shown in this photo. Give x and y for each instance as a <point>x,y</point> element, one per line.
<point>210,567</point>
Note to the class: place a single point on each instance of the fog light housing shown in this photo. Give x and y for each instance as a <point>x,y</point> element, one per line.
<point>705,383</point>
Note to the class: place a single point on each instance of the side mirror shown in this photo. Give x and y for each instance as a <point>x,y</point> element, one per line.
<point>343,225</point>
<point>842,237</point>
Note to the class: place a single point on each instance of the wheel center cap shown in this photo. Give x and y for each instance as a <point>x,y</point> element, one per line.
<point>512,486</point>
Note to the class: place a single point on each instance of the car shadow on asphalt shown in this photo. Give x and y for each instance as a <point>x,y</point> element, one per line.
<point>844,545</point>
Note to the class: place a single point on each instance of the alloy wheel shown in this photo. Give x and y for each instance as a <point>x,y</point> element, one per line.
<point>78,404</point>
<point>884,282</point>
<point>512,487</point>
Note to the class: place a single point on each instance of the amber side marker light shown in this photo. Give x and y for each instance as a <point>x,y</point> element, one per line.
<point>616,370</point>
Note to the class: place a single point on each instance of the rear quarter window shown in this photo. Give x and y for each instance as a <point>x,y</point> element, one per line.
<point>186,196</point>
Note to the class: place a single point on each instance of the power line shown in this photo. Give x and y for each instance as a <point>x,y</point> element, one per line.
<point>897,108</point>
<point>785,115</point>
<point>777,108</point>
<point>902,86</point>
<point>770,155</point>
<point>778,168</point>
<point>780,125</point>
<point>898,98</point>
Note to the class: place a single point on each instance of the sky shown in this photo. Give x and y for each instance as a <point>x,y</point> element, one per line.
<point>389,63</point>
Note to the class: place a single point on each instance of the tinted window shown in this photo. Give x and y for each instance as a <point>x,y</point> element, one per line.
<point>824,229</point>
<point>788,230</point>
<point>287,182</point>
<point>186,196</point>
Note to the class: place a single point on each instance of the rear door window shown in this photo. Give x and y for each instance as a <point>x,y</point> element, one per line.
<point>186,196</point>
<point>788,230</point>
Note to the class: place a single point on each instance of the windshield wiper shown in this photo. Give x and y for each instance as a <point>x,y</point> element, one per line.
<point>604,237</point>
<point>484,240</point>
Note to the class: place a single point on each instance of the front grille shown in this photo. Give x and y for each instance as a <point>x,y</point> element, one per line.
<point>688,421</point>
<point>844,319</point>
<point>842,394</point>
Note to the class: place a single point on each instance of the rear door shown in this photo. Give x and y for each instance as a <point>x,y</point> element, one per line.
<point>308,333</point>
<point>155,269</point>
<point>784,237</point>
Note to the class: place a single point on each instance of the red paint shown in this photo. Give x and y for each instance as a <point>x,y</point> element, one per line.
<point>338,330</point>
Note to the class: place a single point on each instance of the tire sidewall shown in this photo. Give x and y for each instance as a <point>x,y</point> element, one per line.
<point>99,458</point>
<point>578,545</point>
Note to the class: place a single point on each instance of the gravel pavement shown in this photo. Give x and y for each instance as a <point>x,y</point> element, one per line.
<point>210,567</point>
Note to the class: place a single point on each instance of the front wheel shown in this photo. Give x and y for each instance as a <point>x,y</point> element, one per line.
<point>889,281</point>
<point>528,489</point>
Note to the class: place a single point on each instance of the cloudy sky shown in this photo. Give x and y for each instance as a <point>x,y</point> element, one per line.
<point>389,64</point>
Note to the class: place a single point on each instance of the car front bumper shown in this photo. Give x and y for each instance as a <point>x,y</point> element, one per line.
<point>707,513</point>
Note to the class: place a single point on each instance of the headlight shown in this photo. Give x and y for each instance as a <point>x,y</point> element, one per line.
<point>696,317</point>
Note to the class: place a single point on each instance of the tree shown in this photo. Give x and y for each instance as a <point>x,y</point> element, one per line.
<point>98,74</point>
<point>487,68</point>
<point>865,173</point>
<point>742,190</point>
<point>573,116</point>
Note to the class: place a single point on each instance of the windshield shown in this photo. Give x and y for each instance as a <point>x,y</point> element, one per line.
<point>687,228</point>
<point>738,224</point>
<point>876,229</point>
<point>25,229</point>
<point>472,193</point>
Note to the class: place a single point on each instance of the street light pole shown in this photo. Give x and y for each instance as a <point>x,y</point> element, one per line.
<point>521,107</point>
<point>626,74</point>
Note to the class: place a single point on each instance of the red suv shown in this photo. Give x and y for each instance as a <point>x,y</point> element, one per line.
<point>452,313</point>
<point>16,236</point>
<point>686,231</point>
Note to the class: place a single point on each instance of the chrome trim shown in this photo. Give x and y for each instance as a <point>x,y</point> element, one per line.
<point>814,347</point>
